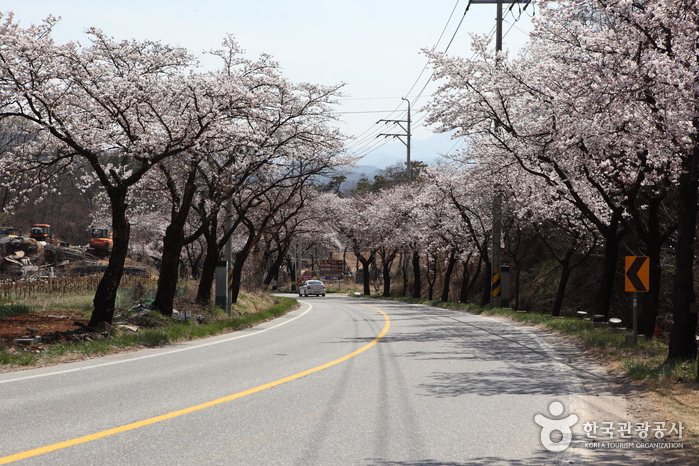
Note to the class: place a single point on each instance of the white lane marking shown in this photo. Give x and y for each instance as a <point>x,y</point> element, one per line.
<point>148,356</point>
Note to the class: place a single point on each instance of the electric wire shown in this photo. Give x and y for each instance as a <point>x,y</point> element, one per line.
<point>451,15</point>
<point>368,141</point>
<point>372,133</point>
<point>429,80</point>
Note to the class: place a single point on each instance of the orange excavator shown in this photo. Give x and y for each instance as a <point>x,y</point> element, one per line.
<point>101,242</point>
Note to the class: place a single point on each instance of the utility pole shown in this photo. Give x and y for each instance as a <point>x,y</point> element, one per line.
<point>405,134</point>
<point>496,273</point>
<point>408,173</point>
<point>498,26</point>
<point>228,254</point>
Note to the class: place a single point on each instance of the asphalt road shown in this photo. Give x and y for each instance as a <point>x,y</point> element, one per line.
<point>338,381</point>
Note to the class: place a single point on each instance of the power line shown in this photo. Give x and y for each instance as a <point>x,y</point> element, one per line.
<point>438,41</point>
<point>364,111</point>
<point>364,138</point>
<point>365,143</point>
<point>453,36</point>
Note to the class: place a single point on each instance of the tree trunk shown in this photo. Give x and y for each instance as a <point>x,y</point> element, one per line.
<point>386,279</point>
<point>447,276</point>
<point>683,345</point>
<point>273,271</point>
<point>291,265</point>
<point>562,282</point>
<point>173,242</point>
<point>517,277</point>
<point>465,279</point>
<point>487,288</point>
<point>240,258</point>
<point>653,237</point>
<point>431,277</point>
<point>611,253</point>
<point>237,272</point>
<point>651,301</point>
<point>471,282</point>
<point>106,293</point>
<point>404,261</point>
<point>208,268</point>
<point>417,282</point>
<point>386,263</point>
<point>366,263</point>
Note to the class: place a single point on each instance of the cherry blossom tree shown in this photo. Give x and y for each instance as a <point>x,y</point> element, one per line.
<point>355,226</point>
<point>243,88</point>
<point>445,223</point>
<point>653,47</point>
<point>124,108</point>
<point>294,143</point>
<point>306,223</point>
<point>468,192</point>
<point>603,106</point>
<point>119,108</point>
<point>388,215</point>
<point>504,110</point>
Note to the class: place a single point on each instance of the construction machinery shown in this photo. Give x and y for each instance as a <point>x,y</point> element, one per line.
<point>101,242</point>
<point>42,232</point>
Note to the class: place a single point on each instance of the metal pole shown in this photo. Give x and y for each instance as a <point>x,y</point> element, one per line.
<point>635,317</point>
<point>495,272</point>
<point>498,32</point>
<point>497,201</point>
<point>298,260</point>
<point>409,167</point>
<point>407,135</point>
<point>229,260</point>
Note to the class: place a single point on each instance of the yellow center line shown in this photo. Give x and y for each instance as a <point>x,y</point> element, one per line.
<point>181,412</point>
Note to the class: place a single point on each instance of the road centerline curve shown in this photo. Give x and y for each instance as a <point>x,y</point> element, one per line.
<point>163,417</point>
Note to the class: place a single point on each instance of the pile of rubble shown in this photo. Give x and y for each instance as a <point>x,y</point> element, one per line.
<point>23,257</point>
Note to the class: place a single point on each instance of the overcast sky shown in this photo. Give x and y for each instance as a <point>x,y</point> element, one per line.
<point>372,46</point>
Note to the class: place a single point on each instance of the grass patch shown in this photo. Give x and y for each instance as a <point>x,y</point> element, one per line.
<point>9,310</point>
<point>655,368</point>
<point>169,331</point>
<point>190,330</point>
<point>251,308</point>
<point>18,359</point>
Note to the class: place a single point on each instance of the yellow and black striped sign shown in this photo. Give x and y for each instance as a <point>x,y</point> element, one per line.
<point>496,283</point>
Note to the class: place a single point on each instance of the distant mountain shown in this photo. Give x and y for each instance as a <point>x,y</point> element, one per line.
<point>355,174</point>
<point>351,176</point>
<point>426,150</point>
<point>362,170</point>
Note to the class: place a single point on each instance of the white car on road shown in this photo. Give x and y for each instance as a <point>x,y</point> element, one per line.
<point>310,287</point>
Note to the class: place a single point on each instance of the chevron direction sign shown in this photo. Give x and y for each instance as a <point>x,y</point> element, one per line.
<point>637,274</point>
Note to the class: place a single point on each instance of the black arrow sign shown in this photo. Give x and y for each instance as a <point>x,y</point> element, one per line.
<point>638,284</point>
